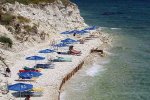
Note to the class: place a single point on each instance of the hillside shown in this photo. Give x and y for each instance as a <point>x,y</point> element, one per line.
<point>65,2</point>
<point>26,23</point>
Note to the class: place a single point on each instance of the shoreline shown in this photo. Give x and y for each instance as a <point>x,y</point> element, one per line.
<point>68,77</point>
<point>79,67</point>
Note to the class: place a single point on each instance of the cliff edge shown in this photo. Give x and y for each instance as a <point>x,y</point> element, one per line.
<point>24,26</point>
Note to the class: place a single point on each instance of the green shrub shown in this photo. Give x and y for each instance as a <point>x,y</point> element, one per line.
<point>5,40</point>
<point>28,28</point>
<point>23,19</point>
<point>6,18</point>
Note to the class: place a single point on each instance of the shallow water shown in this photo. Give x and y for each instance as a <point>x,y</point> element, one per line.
<point>124,74</point>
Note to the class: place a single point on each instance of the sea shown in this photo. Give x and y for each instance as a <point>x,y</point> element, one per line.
<point>124,74</point>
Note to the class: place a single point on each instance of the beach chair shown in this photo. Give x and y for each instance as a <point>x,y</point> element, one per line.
<point>28,68</point>
<point>20,71</point>
<point>39,89</point>
<point>27,93</point>
<point>26,80</point>
<point>68,53</point>
<point>62,59</point>
<point>45,66</point>
<point>63,53</point>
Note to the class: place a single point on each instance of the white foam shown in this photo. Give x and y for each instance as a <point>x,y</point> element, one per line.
<point>95,70</point>
<point>104,62</point>
<point>109,53</point>
<point>104,27</point>
<point>115,28</point>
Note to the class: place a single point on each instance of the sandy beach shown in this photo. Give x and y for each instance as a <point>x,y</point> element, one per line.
<point>51,79</point>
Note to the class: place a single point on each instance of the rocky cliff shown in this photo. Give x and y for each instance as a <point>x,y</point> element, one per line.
<point>29,25</point>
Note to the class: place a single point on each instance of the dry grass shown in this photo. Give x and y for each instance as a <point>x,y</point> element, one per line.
<point>6,18</point>
<point>23,19</point>
<point>6,40</point>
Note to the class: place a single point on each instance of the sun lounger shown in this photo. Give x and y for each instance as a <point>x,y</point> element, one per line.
<point>67,53</point>
<point>62,59</point>
<point>28,68</point>
<point>27,80</point>
<point>37,89</point>
<point>88,38</point>
<point>20,71</point>
<point>45,66</point>
<point>63,53</point>
<point>28,93</point>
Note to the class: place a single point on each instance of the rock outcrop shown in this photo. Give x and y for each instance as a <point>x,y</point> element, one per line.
<point>46,20</point>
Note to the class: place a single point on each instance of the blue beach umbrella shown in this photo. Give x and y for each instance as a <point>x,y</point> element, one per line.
<point>46,51</point>
<point>82,32</point>
<point>61,45</point>
<point>29,75</point>
<point>20,87</point>
<point>91,28</point>
<point>68,41</point>
<point>25,76</point>
<point>66,32</point>
<point>74,31</point>
<point>35,58</point>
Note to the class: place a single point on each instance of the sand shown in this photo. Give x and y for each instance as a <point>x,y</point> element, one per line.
<point>51,78</point>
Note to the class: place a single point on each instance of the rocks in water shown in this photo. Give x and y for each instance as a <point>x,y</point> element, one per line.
<point>96,50</point>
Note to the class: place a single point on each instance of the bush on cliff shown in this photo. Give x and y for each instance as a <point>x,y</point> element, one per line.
<point>6,40</point>
<point>6,18</point>
<point>23,19</point>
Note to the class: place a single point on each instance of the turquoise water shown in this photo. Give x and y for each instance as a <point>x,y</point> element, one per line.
<point>125,73</point>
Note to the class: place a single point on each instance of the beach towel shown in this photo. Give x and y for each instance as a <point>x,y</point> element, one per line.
<point>45,66</point>
<point>62,59</point>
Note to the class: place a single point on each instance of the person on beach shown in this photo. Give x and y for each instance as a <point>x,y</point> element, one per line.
<point>81,41</point>
<point>72,51</point>
<point>8,72</point>
<point>74,34</point>
<point>27,97</point>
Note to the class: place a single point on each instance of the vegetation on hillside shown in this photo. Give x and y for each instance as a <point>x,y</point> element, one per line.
<point>6,40</point>
<point>22,19</point>
<point>19,26</point>
<point>26,2</point>
<point>6,18</point>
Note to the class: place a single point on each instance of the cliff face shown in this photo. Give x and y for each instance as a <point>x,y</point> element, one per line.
<point>46,21</point>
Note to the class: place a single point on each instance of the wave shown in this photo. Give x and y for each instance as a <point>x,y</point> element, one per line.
<point>109,53</point>
<point>95,70</point>
<point>104,62</point>
<point>115,28</point>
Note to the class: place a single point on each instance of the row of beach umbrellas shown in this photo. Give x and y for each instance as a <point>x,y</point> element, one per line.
<point>81,32</point>
<point>21,87</point>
